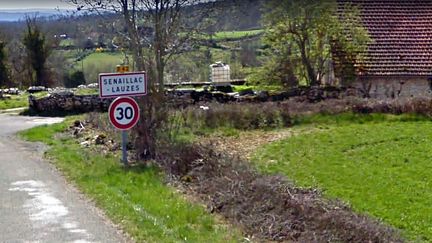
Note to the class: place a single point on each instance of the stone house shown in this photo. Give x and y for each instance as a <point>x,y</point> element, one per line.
<point>398,62</point>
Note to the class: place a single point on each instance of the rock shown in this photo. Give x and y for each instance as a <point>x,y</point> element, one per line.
<point>263,95</point>
<point>314,94</point>
<point>246,92</point>
<point>78,127</point>
<point>77,123</point>
<point>62,93</point>
<point>85,144</point>
<point>68,105</point>
<point>223,89</point>
<point>76,132</point>
<point>77,103</point>
<point>100,139</point>
<point>32,102</point>
<point>113,146</point>
<point>130,145</point>
<point>12,91</point>
<point>36,89</point>
<point>223,97</point>
<point>93,85</point>
<point>247,98</point>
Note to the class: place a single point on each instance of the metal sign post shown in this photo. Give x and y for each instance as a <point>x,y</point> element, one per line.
<point>124,147</point>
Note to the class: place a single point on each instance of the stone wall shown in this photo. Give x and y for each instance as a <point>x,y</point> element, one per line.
<point>373,87</point>
<point>68,102</point>
<point>394,87</point>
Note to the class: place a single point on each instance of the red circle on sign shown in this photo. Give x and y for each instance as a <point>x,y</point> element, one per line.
<point>121,120</point>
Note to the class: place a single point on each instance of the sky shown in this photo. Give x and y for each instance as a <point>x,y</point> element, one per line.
<point>32,4</point>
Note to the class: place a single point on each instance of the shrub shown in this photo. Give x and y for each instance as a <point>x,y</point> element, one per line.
<point>419,106</point>
<point>74,80</point>
<point>236,115</point>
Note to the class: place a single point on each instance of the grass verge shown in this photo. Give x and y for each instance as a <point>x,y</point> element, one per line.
<point>17,101</point>
<point>379,164</point>
<point>136,198</point>
<point>86,91</point>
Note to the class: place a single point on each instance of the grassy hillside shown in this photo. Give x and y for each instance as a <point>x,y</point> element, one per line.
<point>236,34</point>
<point>96,63</point>
<point>192,65</point>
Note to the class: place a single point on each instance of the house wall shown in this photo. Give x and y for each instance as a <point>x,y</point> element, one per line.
<point>394,87</point>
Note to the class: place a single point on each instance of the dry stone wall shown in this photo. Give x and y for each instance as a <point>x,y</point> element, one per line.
<point>68,102</point>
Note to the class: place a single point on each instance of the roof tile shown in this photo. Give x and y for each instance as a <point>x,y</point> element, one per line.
<point>401,33</point>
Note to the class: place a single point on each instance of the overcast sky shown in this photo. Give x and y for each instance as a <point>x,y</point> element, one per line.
<point>26,4</point>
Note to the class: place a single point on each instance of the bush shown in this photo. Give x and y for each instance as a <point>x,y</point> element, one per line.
<point>74,80</point>
<point>235,115</point>
<point>419,106</point>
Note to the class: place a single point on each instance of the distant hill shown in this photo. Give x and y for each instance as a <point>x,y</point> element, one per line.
<point>12,15</point>
<point>232,15</point>
<point>227,15</point>
<point>240,14</point>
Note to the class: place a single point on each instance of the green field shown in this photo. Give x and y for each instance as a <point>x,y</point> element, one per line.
<point>189,64</point>
<point>71,55</point>
<point>236,34</point>
<point>96,63</point>
<point>379,167</point>
<point>136,198</point>
<point>230,35</point>
<point>67,42</point>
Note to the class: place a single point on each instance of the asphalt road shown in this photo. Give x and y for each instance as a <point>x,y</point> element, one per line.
<point>36,203</point>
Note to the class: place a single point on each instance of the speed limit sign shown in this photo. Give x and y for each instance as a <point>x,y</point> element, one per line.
<point>123,113</point>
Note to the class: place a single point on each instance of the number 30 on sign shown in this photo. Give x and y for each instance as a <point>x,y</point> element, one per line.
<point>123,113</point>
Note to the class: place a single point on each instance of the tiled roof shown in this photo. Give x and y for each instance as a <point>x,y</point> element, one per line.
<point>401,31</point>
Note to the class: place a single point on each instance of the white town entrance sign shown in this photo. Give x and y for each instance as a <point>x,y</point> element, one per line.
<point>122,84</point>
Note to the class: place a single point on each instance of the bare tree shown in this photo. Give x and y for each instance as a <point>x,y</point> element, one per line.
<point>165,27</point>
<point>156,30</point>
<point>20,70</point>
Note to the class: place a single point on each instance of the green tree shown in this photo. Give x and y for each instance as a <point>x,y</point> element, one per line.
<point>4,71</point>
<point>37,52</point>
<point>74,80</point>
<point>303,36</point>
